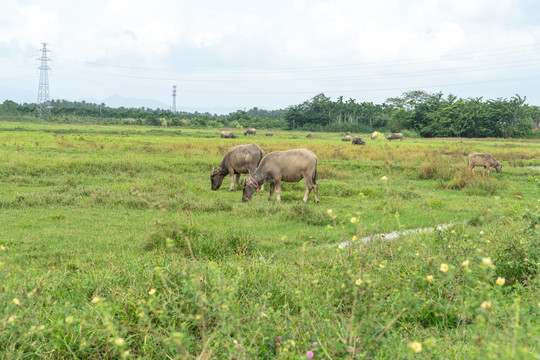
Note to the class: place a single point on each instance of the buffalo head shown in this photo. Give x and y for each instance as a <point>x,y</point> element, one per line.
<point>249,187</point>
<point>216,178</point>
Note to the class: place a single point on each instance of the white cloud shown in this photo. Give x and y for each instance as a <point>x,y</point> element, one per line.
<point>239,45</point>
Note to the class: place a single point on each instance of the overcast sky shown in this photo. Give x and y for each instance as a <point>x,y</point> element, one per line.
<point>239,54</point>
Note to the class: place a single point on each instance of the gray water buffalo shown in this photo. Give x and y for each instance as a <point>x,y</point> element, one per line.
<point>311,135</point>
<point>347,138</point>
<point>240,159</point>
<point>287,166</point>
<point>270,133</point>
<point>250,132</point>
<point>227,135</point>
<point>358,141</point>
<point>486,160</point>
<point>395,136</point>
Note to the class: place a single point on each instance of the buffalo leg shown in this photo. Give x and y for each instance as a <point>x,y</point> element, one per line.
<point>272,187</point>
<point>306,195</point>
<point>231,188</point>
<point>277,185</point>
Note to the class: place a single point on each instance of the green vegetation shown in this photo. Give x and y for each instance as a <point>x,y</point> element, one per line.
<point>112,245</point>
<point>415,113</point>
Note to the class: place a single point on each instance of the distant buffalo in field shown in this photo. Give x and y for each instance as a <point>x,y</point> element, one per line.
<point>311,135</point>
<point>227,135</point>
<point>269,133</point>
<point>240,159</point>
<point>250,132</point>
<point>485,160</point>
<point>395,136</point>
<point>358,141</point>
<point>289,166</point>
<point>347,138</point>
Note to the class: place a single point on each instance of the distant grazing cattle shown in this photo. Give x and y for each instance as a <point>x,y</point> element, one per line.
<point>240,159</point>
<point>486,160</point>
<point>250,132</point>
<point>287,166</point>
<point>347,138</point>
<point>227,135</point>
<point>348,133</point>
<point>269,133</point>
<point>358,141</point>
<point>311,135</point>
<point>395,136</point>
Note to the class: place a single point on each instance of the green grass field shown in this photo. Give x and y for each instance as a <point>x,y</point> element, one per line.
<point>114,246</point>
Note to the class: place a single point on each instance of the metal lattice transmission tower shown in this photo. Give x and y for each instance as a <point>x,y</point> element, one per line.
<point>173,108</point>
<point>43,89</point>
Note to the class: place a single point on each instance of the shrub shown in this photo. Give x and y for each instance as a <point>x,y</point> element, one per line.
<point>190,241</point>
<point>436,166</point>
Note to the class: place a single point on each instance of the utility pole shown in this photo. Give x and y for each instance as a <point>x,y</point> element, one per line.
<point>43,89</point>
<point>173,108</point>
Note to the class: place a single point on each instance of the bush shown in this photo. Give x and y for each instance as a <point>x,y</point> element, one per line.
<point>192,242</point>
<point>436,166</point>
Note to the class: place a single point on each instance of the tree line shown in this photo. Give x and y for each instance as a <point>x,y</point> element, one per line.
<point>419,112</point>
<point>427,114</point>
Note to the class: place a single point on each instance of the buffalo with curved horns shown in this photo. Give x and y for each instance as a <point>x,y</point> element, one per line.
<point>240,159</point>
<point>288,166</point>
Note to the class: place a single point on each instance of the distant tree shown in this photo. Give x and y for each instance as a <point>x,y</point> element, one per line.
<point>408,100</point>
<point>9,107</point>
<point>400,120</point>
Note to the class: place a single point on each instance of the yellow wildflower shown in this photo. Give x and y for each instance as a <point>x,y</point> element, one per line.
<point>354,220</point>
<point>500,281</point>
<point>485,305</point>
<point>152,291</point>
<point>429,278</point>
<point>486,261</point>
<point>16,301</point>
<point>416,346</point>
<point>358,281</point>
<point>444,267</point>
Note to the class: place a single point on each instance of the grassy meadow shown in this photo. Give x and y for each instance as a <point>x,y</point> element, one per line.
<point>112,245</point>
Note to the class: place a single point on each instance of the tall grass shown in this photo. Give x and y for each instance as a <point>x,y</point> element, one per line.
<point>112,245</point>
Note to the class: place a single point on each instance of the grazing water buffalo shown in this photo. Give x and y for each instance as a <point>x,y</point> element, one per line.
<point>395,136</point>
<point>288,166</point>
<point>358,141</point>
<point>311,135</point>
<point>250,132</point>
<point>240,159</point>
<point>227,135</point>
<point>269,133</point>
<point>485,160</point>
<point>347,138</point>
